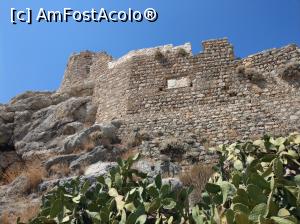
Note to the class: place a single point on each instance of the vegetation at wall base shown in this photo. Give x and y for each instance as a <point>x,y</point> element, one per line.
<point>254,182</point>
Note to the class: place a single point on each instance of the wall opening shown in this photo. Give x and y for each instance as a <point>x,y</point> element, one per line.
<point>178,83</point>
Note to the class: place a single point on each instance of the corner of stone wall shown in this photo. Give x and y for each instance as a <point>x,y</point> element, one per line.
<point>79,69</point>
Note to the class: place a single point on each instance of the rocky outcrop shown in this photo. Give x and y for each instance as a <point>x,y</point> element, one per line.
<point>37,123</point>
<point>6,128</point>
<point>54,129</point>
<point>89,137</point>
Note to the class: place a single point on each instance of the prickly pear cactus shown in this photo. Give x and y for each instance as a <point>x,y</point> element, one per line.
<point>125,196</point>
<point>256,182</point>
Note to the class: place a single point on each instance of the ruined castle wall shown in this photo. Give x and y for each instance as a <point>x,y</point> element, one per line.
<point>211,94</point>
<point>219,104</point>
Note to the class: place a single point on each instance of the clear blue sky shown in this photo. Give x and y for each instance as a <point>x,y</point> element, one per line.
<point>33,57</point>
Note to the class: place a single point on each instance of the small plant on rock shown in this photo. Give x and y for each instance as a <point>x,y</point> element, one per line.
<point>250,73</point>
<point>182,52</point>
<point>35,174</point>
<point>291,73</point>
<point>60,170</point>
<point>174,148</point>
<point>159,56</point>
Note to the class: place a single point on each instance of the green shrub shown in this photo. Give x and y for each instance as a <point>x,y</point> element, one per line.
<point>174,148</point>
<point>182,52</point>
<point>250,73</point>
<point>125,196</point>
<point>254,182</point>
<point>291,73</point>
<point>159,56</point>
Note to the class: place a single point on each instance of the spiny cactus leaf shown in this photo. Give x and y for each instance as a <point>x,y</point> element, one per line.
<point>256,195</point>
<point>297,179</point>
<point>153,191</point>
<point>197,216</point>
<point>241,218</point>
<point>165,190</point>
<point>239,207</point>
<point>132,218</point>
<point>278,168</point>
<point>212,188</point>
<point>85,187</point>
<point>56,208</point>
<point>154,205</point>
<point>283,212</point>
<point>236,179</point>
<point>258,211</point>
<point>141,219</point>
<point>280,220</point>
<point>240,199</point>
<point>227,188</point>
<point>168,203</point>
<point>113,192</point>
<point>158,181</point>
<point>119,202</point>
<point>238,165</point>
<point>259,181</point>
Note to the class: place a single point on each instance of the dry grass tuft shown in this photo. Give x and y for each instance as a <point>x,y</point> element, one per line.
<point>159,56</point>
<point>31,168</point>
<point>291,73</point>
<point>81,170</point>
<point>197,177</point>
<point>250,73</point>
<point>11,173</point>
<point>135,138</point>
<point>174,148</point>
<point>29,213</point>
<point>129,153</point>
<point>5,218</point>
<point>61,170</point>
<point>25,215</point>
<point>182,52</point>
<point>35,174</point>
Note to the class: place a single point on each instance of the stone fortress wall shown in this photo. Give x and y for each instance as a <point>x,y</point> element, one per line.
<point>212,94</point>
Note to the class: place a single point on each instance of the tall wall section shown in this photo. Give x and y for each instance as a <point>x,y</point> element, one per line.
<point>212,94</point>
